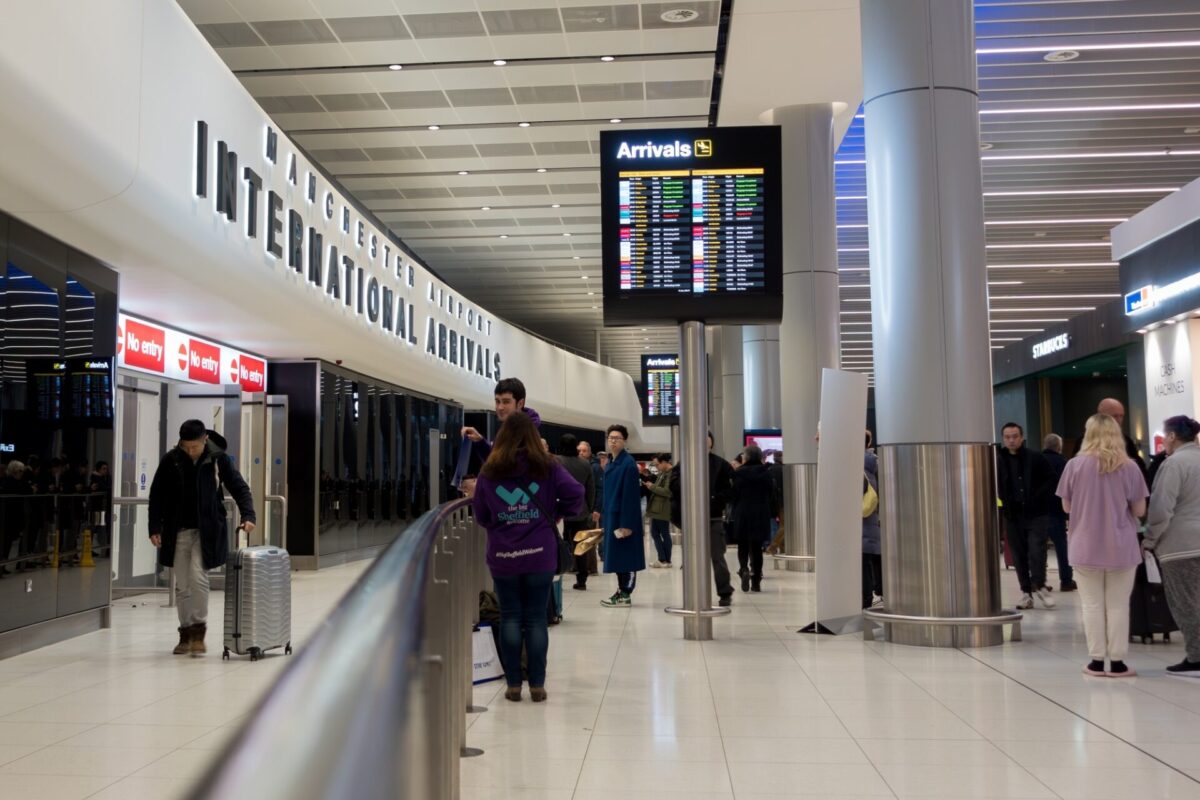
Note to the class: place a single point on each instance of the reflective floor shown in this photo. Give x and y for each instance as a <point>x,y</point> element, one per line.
<point>637,713</point>
<point>114,715</point>
<point>761,712</point>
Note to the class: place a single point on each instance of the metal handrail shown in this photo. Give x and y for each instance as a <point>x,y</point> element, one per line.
<point>349,715</point>
<point>885,617</point>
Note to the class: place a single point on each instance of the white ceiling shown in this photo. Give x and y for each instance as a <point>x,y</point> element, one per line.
<point>320,67</point>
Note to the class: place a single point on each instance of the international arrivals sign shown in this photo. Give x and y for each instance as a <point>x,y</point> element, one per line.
<point>155,349</point>
<point>367,273</point>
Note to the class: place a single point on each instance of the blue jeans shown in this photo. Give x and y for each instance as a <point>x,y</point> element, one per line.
<point>523,600</point>
<point>660,533</point>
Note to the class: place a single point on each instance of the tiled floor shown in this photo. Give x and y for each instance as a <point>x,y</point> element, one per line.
<point>115,715</point>
<point>637,713</point>
<point>762,712</point>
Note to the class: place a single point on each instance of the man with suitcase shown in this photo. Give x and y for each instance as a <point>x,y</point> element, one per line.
<point>187,522</point>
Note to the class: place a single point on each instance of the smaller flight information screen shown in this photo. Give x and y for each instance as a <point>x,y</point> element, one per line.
<point>660,377</point>
<point>691,225</point>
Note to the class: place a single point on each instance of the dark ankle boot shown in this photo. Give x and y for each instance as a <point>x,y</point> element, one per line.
<point>756,584</point>
<point>198,632</point>
<point>185,642</point>
<point>745,576</point>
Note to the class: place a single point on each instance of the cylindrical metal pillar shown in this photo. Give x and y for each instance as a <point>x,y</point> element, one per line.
<point>716,391</point>
<point>693,456</point>
<point>930,318</point>
<point>733,420</point>
<point>808,334</point>
<point>760,344</point>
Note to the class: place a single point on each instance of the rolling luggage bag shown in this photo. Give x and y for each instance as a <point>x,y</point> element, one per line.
<point>258,601</point>
<point>1148,610</point>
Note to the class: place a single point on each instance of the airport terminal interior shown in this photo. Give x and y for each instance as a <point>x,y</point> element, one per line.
<point>861,338</point>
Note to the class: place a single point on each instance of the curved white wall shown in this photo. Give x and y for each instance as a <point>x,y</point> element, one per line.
<point>98,149</point>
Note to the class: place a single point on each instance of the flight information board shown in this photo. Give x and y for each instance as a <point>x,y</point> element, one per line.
<point>691,225</point>
<point>661,393</point>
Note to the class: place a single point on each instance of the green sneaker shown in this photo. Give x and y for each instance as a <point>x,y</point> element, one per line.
<point>618,600</point>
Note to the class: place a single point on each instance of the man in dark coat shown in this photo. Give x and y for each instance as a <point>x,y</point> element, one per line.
<point>720,485</point>
<point>1027,487</point>
<point>624,549</point>
<point>1116,409</point>
<point>187,522</point>
<point>755,504</point>
<point>1052,447</point>
<point>581,471</point>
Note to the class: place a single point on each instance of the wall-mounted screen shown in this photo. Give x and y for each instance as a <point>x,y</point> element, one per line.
<point>661,398</point>
<point>771,443</point>
<point>691,225</point>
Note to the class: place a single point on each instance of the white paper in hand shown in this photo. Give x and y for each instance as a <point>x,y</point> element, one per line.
<point>1153,575</point>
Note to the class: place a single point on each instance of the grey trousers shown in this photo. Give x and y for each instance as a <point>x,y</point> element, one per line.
<point>191,579</point>
<point>1181,582</point>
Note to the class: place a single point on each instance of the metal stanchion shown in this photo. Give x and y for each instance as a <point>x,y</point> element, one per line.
<point>697,612</point>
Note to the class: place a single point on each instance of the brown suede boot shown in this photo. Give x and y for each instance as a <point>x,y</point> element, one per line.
<point>185,642</point>
<point>198,631</point>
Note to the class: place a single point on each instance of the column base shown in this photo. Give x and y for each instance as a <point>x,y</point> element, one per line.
<point>941,543</point>
<point>800,514</point>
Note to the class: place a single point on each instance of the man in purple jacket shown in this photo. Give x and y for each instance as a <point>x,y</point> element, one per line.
<point>510,397</point>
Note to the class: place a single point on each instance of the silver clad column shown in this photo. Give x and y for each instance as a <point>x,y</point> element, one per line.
<point>760,345</point>
<point>733,416</point>
<point>930,318</point>
<point>716,391</point>
<point>808,335</point>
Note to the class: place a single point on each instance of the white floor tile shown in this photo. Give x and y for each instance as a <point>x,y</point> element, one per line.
<point>963,781</point>
<point>617,777</point>
<point>51,787</point>
<point>1104,783</point>
<point>812,780</point>
<point>86,761</point>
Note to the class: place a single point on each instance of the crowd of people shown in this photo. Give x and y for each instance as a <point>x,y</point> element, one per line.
<point>1112,522</point>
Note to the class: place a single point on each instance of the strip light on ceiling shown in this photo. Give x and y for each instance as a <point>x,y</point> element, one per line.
<point>1082,48</point>
<point>1072,264</point>
<point>1091,109</point>
<point>1045,245</point>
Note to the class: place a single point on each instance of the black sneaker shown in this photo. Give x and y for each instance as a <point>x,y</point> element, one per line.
<point>745,576</point>
<point>726,600</point>
<point>1185,668</point>
<point>1068,586</point>
<point>580,587</point>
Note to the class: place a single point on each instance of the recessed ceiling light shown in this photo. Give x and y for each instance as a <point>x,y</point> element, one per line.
<point>1056,56</point>
<point>1191,130</point>
<point>504,236</point>
<point>679,15</point>
<point>541,169</point>
<point>606,58</point>
<point>585,277</point>
<point>986,145</point>
<point>485,208</point>
<point>566,234</point>
<point>615,120</point>
<point>435,127</point>
<point>500,62</point>
<point>576,258</point>
<point>522,124</point>
<point>395,67</point>
<point>591,294</point>
<point>556,205</point>
<point>463,172</point>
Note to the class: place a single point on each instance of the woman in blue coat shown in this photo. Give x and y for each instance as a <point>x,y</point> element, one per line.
<point>624,550</point>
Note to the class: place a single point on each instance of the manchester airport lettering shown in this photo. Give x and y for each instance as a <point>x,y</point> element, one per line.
<point>343,276</point>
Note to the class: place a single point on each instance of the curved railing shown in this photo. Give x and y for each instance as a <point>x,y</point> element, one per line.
<point>374,704</point>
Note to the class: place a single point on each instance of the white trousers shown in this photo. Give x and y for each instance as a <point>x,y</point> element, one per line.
<point>191,579</point>
<point>1104,596</point>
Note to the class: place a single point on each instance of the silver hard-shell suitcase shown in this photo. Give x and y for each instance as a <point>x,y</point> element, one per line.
<point>258,601</point>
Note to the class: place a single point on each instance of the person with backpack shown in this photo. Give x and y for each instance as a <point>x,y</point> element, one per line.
<point>520,495</point>
<point>754,505</point>
<point>187,522</point>
<point>872,545</point>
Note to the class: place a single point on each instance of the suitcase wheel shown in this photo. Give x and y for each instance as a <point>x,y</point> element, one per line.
<point>225,655</point>
<point>288,650</point>
<point>255,654</point>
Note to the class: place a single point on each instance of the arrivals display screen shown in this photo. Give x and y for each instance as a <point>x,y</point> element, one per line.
<point>660,377</point>
<point>691,225</point>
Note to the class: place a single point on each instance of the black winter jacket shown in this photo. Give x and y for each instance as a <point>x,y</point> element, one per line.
<point>1027,484</point>
<point>755,504</point>
<point>720,488</point>
<point>214,470</point>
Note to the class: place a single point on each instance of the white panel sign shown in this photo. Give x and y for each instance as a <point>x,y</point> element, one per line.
<point>1170,377</point>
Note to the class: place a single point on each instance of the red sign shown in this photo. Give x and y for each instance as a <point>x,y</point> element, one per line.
<point>252,374</point>
<point>204,365</point>
<point>145,346</point>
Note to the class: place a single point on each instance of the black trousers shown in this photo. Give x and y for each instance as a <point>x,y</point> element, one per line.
<point>872,577</point>
<point>570,528</point>
<point>750,559</point>
<point>1027,538</point>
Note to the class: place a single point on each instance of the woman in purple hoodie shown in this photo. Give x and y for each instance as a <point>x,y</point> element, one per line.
<point>521,493</point>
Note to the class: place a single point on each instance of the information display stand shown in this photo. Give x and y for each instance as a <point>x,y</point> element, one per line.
<point>691,227</point>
